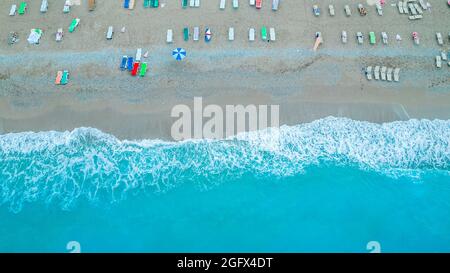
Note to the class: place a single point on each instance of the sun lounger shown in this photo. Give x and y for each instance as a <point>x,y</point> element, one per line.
<point>123,63</point>
<point>135,69</point>
<point>184,3</point>
<point>439,39</point>
<point>331,10</point>
<point>59,35</point>
<point>138,54</point>
<point>251,34</point>
<point>126,4</point>
<point>405,7</point>
<point>418,9</point>
<point>252,2</point>
<point>400,7</point>
<point>379,9</point>
<point>369,73</point>
<point>143,69</point>
<point>35,36</point>
<point>169,38</point>
<point>438,61</point>
<point>423,5</point>
<point>222,4</point>
<point>91,5</point>
<point>110,33</point>
<point>235,4</point>
<point>208,35</point>
<point>444,56</point>
<point>264,33</point>
<point>44,6</point>
<point>130,62</point>
<point>58,77</point>
<point>192,3</point>
<point>389,74</point>
<point>318,41</point>
<point>397,74</point>
<point>383,73</point>
<point>196,36</point>
<point>22,8</point>
<point>197,3</point>
<point>384,38</point>
<point>344,36</point>
<point>316,10</point>
<point>412,9</point>
<point>186,34</point>
<point>372,38</point>
<point>273,38</point>
<point>231,34</point>
<point>275,4</point>
<point>348,11</point>
<point>376,73</point>
<point>65,77</point>
<point>132,2</point>
<point>258,4</point>
<point>362,10</point>
<point>74,24</point>
<point>146,3</point>
<point>360,38</point>
<point>66,8</point>
<point>13,10</point>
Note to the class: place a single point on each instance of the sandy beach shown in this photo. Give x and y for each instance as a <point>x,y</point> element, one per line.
<point>307,85</point>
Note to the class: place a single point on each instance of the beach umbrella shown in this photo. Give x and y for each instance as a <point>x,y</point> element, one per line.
<point>179,54</point>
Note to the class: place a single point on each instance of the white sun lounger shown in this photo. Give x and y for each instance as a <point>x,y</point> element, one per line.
<point>439,39</point>
<point>59,35</point>
<point>252,2</point>
<point>389,74</point>
<point>231,34</point>
<point>44,6</point>
<point>405,7</point>
<point>13,10</point>
<point>222,4</point>
<point>331,10</point>
<point>169,38</point>
<point>138,54</point>
<point>423,5</point>
<point>360,38</point>
<point>397,74</point>
<point>412,9</point>
<point>418,8</point>
<point>438,61</point>
<point>273,38</point>
<point>251,34</point>
<point>197,3</point>
<point>400,7</point>
<point>444,56</point>
<point>384,38</point>
<point>383,73</point>
<point>348,11</point>
<point>369,73</point>
<point>192,3</point>
<point>379,9</point>
<point>235,4</point>
<point>109,34</point>
<point>376,73</point>
<point>275,4</point>
<point>344,36</point>
<point>196,33</point>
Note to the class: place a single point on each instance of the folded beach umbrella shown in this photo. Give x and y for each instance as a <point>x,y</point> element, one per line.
<point>179,54</point>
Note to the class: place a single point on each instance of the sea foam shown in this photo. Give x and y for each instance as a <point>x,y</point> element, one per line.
<point>63,167</point>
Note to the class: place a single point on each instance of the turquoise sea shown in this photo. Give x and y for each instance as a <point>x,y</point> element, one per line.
<point>332,185</point>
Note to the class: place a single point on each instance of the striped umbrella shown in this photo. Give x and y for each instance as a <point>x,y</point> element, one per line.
<point>179,54</point>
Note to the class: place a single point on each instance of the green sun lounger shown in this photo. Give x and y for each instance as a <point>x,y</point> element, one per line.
<point>154,3</point>
<point>186,34</point>
<point>22,8</point>
<point>65,77</point>
<point>146,3</point>
<point>264,33</point>
<point>74,24</point>
<point>143,70</point>
<point>184,3</point>
<point>372,37</point>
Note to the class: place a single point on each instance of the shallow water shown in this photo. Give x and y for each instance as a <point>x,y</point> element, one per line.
<point>331,185</point>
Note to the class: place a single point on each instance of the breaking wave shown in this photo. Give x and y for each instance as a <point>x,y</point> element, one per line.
<point>63,167</point>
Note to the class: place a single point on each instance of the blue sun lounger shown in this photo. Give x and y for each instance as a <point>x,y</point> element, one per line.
<point>126,4</point>
<point>123,64</point>
<point>130,63</point>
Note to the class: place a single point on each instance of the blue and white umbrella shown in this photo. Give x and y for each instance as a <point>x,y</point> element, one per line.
<point>179,54</point>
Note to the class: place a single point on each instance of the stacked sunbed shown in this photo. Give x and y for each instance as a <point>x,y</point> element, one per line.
<point>151,3</point>
<point>414,9</point>
<point>62,77</point>
<point>383,73</point>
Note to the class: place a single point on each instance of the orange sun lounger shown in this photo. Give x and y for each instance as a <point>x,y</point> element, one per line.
<point>58,77</point>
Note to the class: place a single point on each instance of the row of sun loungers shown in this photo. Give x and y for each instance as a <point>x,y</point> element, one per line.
<point>444,57</point>
<point>265,35</point>
<point>134,66</point>
<point>62,77</point>
<point>413,8</point>
<point>348,11</point>
<point>151,3</point>
<point>383,73</point>
<point>21,10</point>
